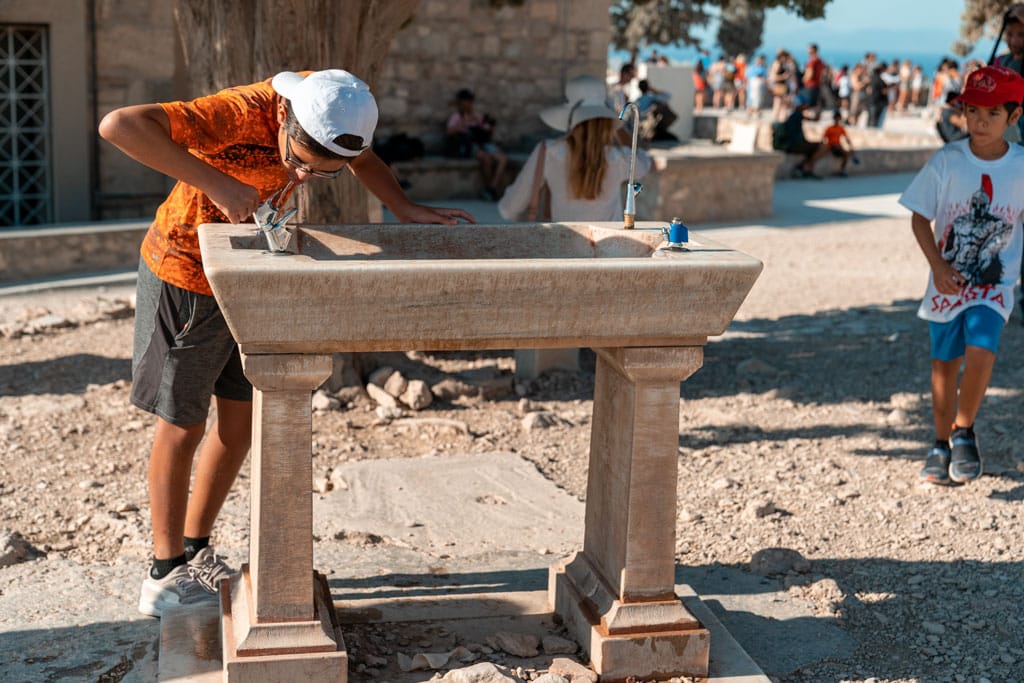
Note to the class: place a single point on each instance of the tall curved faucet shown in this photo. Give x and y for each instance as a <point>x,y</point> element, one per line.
<point>633,189</point>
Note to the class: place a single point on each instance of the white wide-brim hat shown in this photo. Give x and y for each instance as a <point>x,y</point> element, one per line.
<point>586,98</point>
<point>329,104</point>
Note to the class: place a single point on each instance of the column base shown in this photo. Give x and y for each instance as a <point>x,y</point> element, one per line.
<point>649,648</point>
<point>310,650</point>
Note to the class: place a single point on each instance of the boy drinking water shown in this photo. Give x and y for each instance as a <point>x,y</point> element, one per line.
<point>228,151</point>
<point>973,191</point>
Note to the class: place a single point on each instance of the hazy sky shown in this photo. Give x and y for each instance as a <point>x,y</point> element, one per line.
<point>941,15</point>
<point>924,26</point>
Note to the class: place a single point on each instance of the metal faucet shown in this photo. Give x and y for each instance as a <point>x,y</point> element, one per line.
<point>271,219</point>
<point>633,188</point>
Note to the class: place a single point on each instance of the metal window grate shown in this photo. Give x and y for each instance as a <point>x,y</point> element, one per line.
<point>25,182</point>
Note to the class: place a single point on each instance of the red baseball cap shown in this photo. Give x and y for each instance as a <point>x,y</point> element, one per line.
<point>991,86</point>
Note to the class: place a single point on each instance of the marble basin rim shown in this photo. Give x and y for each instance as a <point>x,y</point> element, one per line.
<point>431,287</point>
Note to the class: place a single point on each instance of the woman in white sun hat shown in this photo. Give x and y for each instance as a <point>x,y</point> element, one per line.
<point>584,170</point>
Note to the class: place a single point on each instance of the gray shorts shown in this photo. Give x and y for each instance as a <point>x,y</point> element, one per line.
<point>183,353</point>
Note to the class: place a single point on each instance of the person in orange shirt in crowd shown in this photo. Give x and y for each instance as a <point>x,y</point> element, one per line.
<point>229,152</point>
<point>833,137</point>
<point>739,80</point>
<point>700,86</point>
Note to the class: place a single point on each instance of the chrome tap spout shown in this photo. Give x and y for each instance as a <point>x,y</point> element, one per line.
<point>633,188</point>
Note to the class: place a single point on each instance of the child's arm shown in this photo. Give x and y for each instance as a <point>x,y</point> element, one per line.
<point>143,132</point>
<point>849,142</point>
<point>456,124</point>
<point>375,175</point>
<point>947,280</point>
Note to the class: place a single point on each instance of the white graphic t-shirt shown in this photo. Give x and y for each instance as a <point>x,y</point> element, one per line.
<point>975,207</point>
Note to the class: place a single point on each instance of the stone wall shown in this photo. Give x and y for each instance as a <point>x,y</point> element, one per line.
<point>515,59</point>
<point>137,61</point>
<point>703,186</point>
<point>40,253</point>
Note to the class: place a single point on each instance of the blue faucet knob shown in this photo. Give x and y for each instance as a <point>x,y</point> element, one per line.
<point>678,233</point>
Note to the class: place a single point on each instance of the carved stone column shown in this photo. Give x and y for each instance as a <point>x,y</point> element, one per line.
<point>278,621</point>
<point>617,595</point>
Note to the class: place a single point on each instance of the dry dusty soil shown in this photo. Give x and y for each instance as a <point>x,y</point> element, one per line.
<point>804,430</point>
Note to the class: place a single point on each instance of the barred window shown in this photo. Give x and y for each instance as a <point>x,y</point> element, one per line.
<point>25,142</point>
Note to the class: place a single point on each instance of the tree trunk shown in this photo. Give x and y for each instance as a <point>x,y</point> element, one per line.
<point>236,42</point>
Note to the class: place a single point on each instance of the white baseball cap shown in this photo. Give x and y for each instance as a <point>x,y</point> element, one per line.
<point>328,104</point>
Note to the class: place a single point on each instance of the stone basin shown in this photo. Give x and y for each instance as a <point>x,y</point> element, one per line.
<point>646,309</point>
<point>432,287</point>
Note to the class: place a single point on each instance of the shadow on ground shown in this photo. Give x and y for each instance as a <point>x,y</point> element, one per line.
<point>783,633</point>
<point>65,375</point>
<point>104,652</point>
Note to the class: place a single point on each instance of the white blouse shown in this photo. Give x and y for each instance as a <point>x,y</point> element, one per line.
<point>606,207</point>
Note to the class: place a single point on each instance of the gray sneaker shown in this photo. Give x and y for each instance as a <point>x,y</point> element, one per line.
<point>965,463</point>
<point>936,466</point>
<point>209,570</point>
<point>179,587</point>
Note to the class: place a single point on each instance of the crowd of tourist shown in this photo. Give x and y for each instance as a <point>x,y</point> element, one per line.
<point>863,92</point>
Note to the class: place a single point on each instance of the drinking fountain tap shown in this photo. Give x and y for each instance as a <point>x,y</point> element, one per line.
<point>271,219</point>
<point>633,188</point>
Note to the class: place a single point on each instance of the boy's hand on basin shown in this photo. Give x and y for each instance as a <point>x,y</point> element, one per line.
<point>417,213</point>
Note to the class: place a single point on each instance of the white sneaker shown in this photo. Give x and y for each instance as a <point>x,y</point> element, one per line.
<point>179,587</point>
<point>209,570</point>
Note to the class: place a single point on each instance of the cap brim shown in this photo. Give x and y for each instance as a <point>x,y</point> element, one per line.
<point>558,117</point>
<point>285,82</point>
<point>982,99</point>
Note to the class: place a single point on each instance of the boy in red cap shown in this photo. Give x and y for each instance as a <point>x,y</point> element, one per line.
<point>972,190</point>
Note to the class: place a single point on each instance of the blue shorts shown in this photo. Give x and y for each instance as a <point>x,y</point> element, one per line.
<point>975,326</point>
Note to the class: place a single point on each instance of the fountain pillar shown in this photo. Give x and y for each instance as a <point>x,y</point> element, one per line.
<point>277,618</point>
<point>617,595</point>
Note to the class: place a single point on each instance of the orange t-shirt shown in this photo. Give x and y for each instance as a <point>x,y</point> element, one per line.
<point>236,132</point>
<point>834,135</point>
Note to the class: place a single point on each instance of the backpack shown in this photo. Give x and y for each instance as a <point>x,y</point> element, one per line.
<point>399,147</point>
<point>779,140</point>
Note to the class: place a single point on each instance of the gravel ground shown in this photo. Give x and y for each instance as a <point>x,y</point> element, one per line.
<point>804,431</point>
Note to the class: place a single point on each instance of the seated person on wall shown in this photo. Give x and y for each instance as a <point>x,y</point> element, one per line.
<point>655,114</point>
<point>468,135</point>
<point>797,143</point>
<point>834,136</point>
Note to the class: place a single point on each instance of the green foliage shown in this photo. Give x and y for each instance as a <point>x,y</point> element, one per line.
<point>980,18</point>
<point>740,28</point>
<point>669,22</point>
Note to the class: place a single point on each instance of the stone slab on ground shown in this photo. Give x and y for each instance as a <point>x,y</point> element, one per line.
<point>442,510</point>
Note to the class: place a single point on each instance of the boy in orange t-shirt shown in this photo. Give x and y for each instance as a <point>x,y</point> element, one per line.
<point>229,152</point>
<point>833,137</point>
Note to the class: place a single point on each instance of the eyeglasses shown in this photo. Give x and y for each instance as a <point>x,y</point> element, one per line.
<point>299,166</point>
